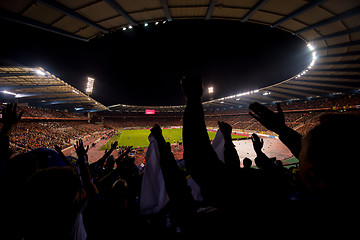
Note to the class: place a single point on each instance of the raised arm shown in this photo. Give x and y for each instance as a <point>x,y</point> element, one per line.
<point>81,152</point>
<point>100,163</point>
<point>231,157</point>
<point>275,121</point>
<point>200,158</point>
<point>260,155</point>
<point>175,182</point>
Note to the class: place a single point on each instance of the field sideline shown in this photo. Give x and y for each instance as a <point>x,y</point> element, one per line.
<point>139,137</point>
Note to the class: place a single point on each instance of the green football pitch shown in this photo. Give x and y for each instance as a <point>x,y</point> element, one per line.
<point>139,137</point>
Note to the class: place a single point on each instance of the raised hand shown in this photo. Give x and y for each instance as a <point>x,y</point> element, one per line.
<point>192,87</point>
<point>80,149</point>
<point>273,121</point>
<point>9,118</point>
<point>114,145</point>
<point>257,142</point>
<point>226,130</point>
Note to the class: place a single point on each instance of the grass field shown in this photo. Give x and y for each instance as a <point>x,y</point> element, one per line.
<point>139,137</point>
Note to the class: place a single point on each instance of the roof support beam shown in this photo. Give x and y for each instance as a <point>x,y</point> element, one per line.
<point>67,11</point>
<point>48,99</point>
<point>303,88</point>
<point>326,85</point>
<point>336,18</point>
<point>30,95</point>
<point>339,62</point>
<point>287,91</point>
<point>210,9</point>
<point>337,34</point>
<point>254,10</point>
<point>336,78</point>
<point>33,23</point>
<point>3,88</point>
<point>336,70</point>
<point>121,11</point>
<point>16,74</point>
<point>355,53</point>
<point>297,12</point>
<point>348,44</point>
<point>166,10</point>
<point>63,102</point>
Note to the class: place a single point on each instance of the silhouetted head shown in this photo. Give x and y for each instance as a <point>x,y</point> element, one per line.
<point>330,156</point>
<point>247,162</point>
<point>119,193</point>
<point>52,202</point>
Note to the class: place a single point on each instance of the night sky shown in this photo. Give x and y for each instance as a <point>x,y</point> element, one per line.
<point>142,66</point>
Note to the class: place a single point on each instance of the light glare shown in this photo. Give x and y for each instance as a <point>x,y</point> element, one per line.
<point>90,85</point>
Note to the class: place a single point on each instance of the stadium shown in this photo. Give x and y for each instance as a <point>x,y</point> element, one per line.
<point>56,113</point>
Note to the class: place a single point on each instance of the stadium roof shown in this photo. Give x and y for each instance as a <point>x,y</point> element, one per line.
<point>39,88</point>
<point>332,27</point>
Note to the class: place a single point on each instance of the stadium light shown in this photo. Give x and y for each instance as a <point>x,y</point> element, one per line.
<point>90,85</point>
<point>146,24</point>
<point>40,72</point>
<point>310,46</point>
<point>9,93</point>
<point>211,89</point>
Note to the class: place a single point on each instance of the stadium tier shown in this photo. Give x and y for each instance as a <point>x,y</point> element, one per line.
<point>36,87</point>
<point>48,127</point>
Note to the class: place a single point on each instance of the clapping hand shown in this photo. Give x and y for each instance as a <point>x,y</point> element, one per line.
<point>257,142</point>
<point>273,121</point>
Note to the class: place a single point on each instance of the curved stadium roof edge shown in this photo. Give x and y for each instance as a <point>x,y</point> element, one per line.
<point>37,87</point>
<point>332,27</point>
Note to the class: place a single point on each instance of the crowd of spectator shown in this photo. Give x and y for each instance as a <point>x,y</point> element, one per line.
<point>49,196</point>
<point>31,135</point>
<point>49,113</point>
<point>301,115</point>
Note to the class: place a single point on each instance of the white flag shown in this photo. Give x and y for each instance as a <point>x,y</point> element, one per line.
<point>153,194</point>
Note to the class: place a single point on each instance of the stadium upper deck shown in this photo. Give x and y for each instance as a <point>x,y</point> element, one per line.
<point>37,87</point>
<point>330,27</point>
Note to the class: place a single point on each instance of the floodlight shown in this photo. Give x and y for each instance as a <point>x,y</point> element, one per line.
<point>310,46</point>
<point>90,85</point>
<point>211,89</point>
<point>130,27</point>
<point>40,72</point>
<point>146,24</point>
<point>9,93</point>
